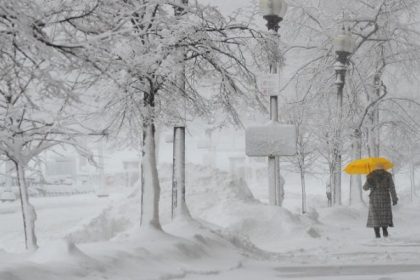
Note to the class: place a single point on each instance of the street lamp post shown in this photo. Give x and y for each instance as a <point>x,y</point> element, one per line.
<point>273,12</point>
<point>343,44</point>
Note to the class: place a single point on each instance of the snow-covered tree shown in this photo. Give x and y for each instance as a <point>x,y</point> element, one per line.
<point>38,86</point>
<point>136,44</point>
<point>301,113</point>
<point>385,44</point>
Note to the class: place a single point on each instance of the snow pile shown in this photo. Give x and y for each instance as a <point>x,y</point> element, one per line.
<point>228,203</point>
<point>187,248</point>
<point>59,259</point>
<point>59,251</point>
<point>224,204</point>
<point>145,254</point>
<point>213,236</point>
<point>110,222</point>
<point>266,226</point>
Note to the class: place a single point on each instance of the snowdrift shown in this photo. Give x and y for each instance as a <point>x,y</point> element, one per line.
<point>222,203</point>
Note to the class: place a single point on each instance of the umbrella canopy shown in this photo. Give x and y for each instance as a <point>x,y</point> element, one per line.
<point>367,165</point>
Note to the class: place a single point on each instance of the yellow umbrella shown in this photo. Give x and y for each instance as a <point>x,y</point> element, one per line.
<point>367,165</point>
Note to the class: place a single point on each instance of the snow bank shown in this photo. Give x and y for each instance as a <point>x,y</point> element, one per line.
<point>225,205</point>
<point>109,223</point>
<point>228,214</point>
<point>187,249</point>
<point>143,254</point>
<point>59,251</point>
<point>58,259</point>
<point>220,200</point>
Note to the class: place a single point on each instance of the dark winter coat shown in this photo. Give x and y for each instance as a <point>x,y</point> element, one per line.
<point>382,190</point>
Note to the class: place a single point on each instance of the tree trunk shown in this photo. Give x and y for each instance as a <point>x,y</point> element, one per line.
<point>150,188</point>
<point>157,137</point>
<point>332,182</point>
<point>28,211</point>
<point>338,180</point>
<point>335,175</point>
<point>377,133</point>
<point>301,165</point>
<point>279,185</point>
<point>412,181</point>
<point>150,182</point>
<point>374,132</point>
<point>303,185</point>
<point>356,197</point>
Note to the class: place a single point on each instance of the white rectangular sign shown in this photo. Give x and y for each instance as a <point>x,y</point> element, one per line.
<point>274,139</point>
<point>269,84</point>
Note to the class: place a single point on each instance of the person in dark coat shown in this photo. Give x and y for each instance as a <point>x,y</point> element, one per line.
<point>382,192</point>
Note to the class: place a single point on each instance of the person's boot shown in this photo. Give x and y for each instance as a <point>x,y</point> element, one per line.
<point>377,232</point>
<point>385,231</point>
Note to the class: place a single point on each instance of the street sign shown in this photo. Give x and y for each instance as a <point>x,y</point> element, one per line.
<point>274,139</point>
<point>269,84</point>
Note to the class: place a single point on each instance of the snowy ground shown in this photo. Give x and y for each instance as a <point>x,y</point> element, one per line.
<point>236,237</point>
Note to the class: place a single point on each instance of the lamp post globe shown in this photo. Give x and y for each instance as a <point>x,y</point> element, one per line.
<point>273,11</point>
<point>343,44</point>
<point>344,47</point>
